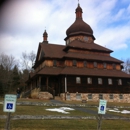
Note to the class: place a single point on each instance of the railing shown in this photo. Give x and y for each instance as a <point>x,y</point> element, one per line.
<point>52,91</point>
<point>25,94</point>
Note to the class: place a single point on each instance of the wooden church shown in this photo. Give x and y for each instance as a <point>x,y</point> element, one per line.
<point>81,69</point>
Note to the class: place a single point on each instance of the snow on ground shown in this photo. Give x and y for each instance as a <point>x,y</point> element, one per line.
<point>117,110</point>
<point>61,109</point>
<point>66,109</point>
<point>125,112</point>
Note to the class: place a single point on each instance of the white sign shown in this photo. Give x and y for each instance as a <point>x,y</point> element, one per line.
<point>102,107</point>
<point>9,103</point>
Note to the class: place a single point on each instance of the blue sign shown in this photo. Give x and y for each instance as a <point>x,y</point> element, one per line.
<point>102,107</point>
<point>9,106</point>
<point>9,103</point>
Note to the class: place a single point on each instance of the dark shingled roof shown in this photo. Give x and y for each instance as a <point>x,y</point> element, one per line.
<point>94,72</point>
<point>50,71</point>
<point>88,46</point>
<point>79,26</point>
<point>94,57</point>
<point>81,72</point>
<point>59,51</point>
<point>53,50</point>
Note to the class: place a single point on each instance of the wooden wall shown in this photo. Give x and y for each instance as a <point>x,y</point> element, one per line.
<point>84,87</point>
<point>80,64</point>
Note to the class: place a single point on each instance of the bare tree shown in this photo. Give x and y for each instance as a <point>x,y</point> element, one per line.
<point>8,62</point>
<point>126,66</point>
<point>25,61</point>
<point>32,57</point>
<point>28,60</point>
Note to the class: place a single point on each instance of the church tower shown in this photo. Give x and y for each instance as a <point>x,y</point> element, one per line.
<point>79,30</point>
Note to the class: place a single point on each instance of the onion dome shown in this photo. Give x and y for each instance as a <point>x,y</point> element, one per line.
<point>79,26</point>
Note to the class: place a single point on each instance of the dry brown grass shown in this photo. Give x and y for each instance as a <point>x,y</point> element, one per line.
<point>34,93</point>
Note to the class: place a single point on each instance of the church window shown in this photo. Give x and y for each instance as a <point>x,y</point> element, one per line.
<point>90,96</point>
<point>111,96</point>
<point>119,82</point>
<point>78,96</point>
<point>78,80</point>
<point>110,81</point>
<point>99,80</point>
<point>120,96</point>
<point>74,63</point>
<point>89,80</point>
<point>85,63</point>
<point>104,65</point>
<point>114,66</point>
<point>100,96</point>
<point>54,63</point>
<point>95,64</point>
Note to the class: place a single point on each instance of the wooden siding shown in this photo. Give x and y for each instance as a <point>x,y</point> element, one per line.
<point>118,67</point>
<point>84,87</point>
<point>80,64</point>
<point>49,63</point>
<point>68,63</point>
<point>100,65</point>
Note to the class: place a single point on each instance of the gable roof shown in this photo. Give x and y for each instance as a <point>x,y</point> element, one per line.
<point>53,50</point>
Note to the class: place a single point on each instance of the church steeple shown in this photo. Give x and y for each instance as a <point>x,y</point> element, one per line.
<point>78,12</point>
<point>45,35</point>
<point>79,29</point>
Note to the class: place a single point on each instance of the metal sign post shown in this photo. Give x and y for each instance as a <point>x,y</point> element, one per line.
<point>9,106</point>
<point>101,110</point>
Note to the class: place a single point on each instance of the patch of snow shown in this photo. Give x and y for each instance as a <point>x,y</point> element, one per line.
<point>125,112</point>
<point>114,111</point>
<point>61,110</point>
<point>117,110</point>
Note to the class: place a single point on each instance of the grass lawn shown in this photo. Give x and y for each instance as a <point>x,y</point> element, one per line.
<point>62,124</point>
<point>41,110</point>
<point>66,125</point>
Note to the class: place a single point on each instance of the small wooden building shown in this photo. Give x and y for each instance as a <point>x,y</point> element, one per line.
<point>81,69</point>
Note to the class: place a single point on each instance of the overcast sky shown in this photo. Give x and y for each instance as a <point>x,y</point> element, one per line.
<point>22,23</point>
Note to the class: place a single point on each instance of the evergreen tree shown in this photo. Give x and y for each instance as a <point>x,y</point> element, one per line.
<point>15,79</point>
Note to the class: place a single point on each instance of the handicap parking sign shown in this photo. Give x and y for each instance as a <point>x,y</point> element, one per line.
<point>9,106</point>
<point>102,107</point>
<point>9,103</point>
